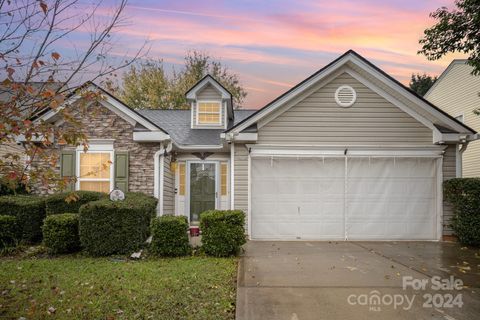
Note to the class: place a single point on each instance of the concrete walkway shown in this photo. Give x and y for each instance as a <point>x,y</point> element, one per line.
<point>345,280</point>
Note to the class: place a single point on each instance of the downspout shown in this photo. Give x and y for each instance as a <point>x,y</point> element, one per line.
<point>230,139</point>
<point>158,172</point>
<point>232,175</point>
<point>458,163</point>
<point>158,178</point>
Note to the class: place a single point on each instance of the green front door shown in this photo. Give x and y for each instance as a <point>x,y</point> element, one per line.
<point>202,189</point>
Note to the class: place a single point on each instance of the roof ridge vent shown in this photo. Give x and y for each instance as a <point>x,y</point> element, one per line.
<point>345,96</point>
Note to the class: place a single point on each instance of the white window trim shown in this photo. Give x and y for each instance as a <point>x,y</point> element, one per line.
<point>197,111</point>
<point>95,149</point>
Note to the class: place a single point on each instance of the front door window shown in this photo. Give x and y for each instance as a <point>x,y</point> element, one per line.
<point>202,190</point>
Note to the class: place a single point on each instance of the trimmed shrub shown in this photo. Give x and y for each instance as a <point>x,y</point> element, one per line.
<point>60,233</point>
<point>8,231</point>
<point>116,227</point>
<point>170,238</point>
<point>223,232</point>
<point>70,201</point>
<point>464,195</point>
<point>8,187</point>
<point>29,211</point>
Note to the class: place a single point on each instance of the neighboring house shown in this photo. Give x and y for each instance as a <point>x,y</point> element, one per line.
<point>348,153</point>
<point>457,92</point>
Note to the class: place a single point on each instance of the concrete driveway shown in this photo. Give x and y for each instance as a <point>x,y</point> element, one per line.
<point>357,280</point>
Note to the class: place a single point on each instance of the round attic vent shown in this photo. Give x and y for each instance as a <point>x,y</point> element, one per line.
<point>345,96</point>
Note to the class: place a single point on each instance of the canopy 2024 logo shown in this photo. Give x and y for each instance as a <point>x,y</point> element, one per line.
<point>443,293</point>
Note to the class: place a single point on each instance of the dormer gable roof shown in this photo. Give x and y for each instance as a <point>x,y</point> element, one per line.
<point>192,93</point>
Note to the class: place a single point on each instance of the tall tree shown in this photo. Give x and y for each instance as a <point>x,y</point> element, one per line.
<point>420,83</point>
<point>147,85</point>
<point>455,31</point>
<point>36,76</point>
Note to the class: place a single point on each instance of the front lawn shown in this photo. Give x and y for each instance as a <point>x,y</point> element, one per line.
<point>72,287</point>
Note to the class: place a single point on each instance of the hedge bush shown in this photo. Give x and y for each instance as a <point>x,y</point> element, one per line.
<point>8,231</point>
<point>57,203</point>
<point>60,233</point>
<point>464,195</point>
<point>223,232</point>
<point>169,236</point>
<point>29,211</point>
<point>116,227</point>
<point>8,187</point>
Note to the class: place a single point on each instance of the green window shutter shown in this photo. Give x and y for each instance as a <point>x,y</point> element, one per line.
<point>121,171</point>
<point>67,167</point>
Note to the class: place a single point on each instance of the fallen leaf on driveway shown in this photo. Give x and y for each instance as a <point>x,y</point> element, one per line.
<point>352,268</point>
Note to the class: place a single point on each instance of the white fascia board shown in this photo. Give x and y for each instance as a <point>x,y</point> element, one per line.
<point>208,80</point>
<point>21,138</point>
<point>350,58</point>
<point>298,90</point>
<point>395,86</point>
<point>240,137</point>
<point>426,122</point>
<point>129,112</point>
<point>115,106</point>
<point>51,113</point>
<point>150,136</point>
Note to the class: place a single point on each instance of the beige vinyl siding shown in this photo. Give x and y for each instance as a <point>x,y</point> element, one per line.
<point>449,172</point>
<point>241,177</point>
<point>168,188</point>
<point>457,93</point>
<point>318,120</point>
<point>209,93</point>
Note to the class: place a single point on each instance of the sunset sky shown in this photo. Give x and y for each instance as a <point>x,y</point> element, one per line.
<point>274,44</point>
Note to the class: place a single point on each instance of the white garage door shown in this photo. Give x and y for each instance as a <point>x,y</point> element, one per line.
<point>336,199</point>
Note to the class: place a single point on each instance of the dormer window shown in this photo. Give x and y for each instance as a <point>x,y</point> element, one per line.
<point>209,113</point>
<point>211,105</point>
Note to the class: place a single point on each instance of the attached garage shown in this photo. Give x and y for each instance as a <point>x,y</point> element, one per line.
<point>347,154</point>
<point>344,197</point>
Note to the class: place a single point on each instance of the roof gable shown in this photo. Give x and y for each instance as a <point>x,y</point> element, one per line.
<point>444,74</point>
<point>205,81</point>
<point>208,80</point>
<point>428,112</point>
<point>109,101</point>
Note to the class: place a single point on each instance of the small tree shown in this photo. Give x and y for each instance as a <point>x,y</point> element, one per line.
<point>38,77</point>
<point>421,83</point>
<point>455,31</point>
<point>146,85</point>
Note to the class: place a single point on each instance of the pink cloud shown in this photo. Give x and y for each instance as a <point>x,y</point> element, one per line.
<point>302,36</point>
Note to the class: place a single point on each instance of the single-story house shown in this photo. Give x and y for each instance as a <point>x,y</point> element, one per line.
<point>347,154</point>
<point>457,92</point>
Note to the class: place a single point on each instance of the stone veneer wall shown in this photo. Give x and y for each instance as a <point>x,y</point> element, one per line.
<point>98,122</point>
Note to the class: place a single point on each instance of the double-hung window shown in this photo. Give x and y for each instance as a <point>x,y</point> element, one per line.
<point>95,170</point>
<point>209,113</point>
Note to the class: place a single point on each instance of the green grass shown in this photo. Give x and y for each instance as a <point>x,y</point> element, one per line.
<point>103,288</point>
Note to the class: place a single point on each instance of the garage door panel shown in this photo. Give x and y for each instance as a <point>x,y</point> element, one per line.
<point>268,230</point>
<point>308,198</point>
<point>397,202</point>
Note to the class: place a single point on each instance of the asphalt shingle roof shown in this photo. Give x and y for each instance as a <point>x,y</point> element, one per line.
<point>177,124</point>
